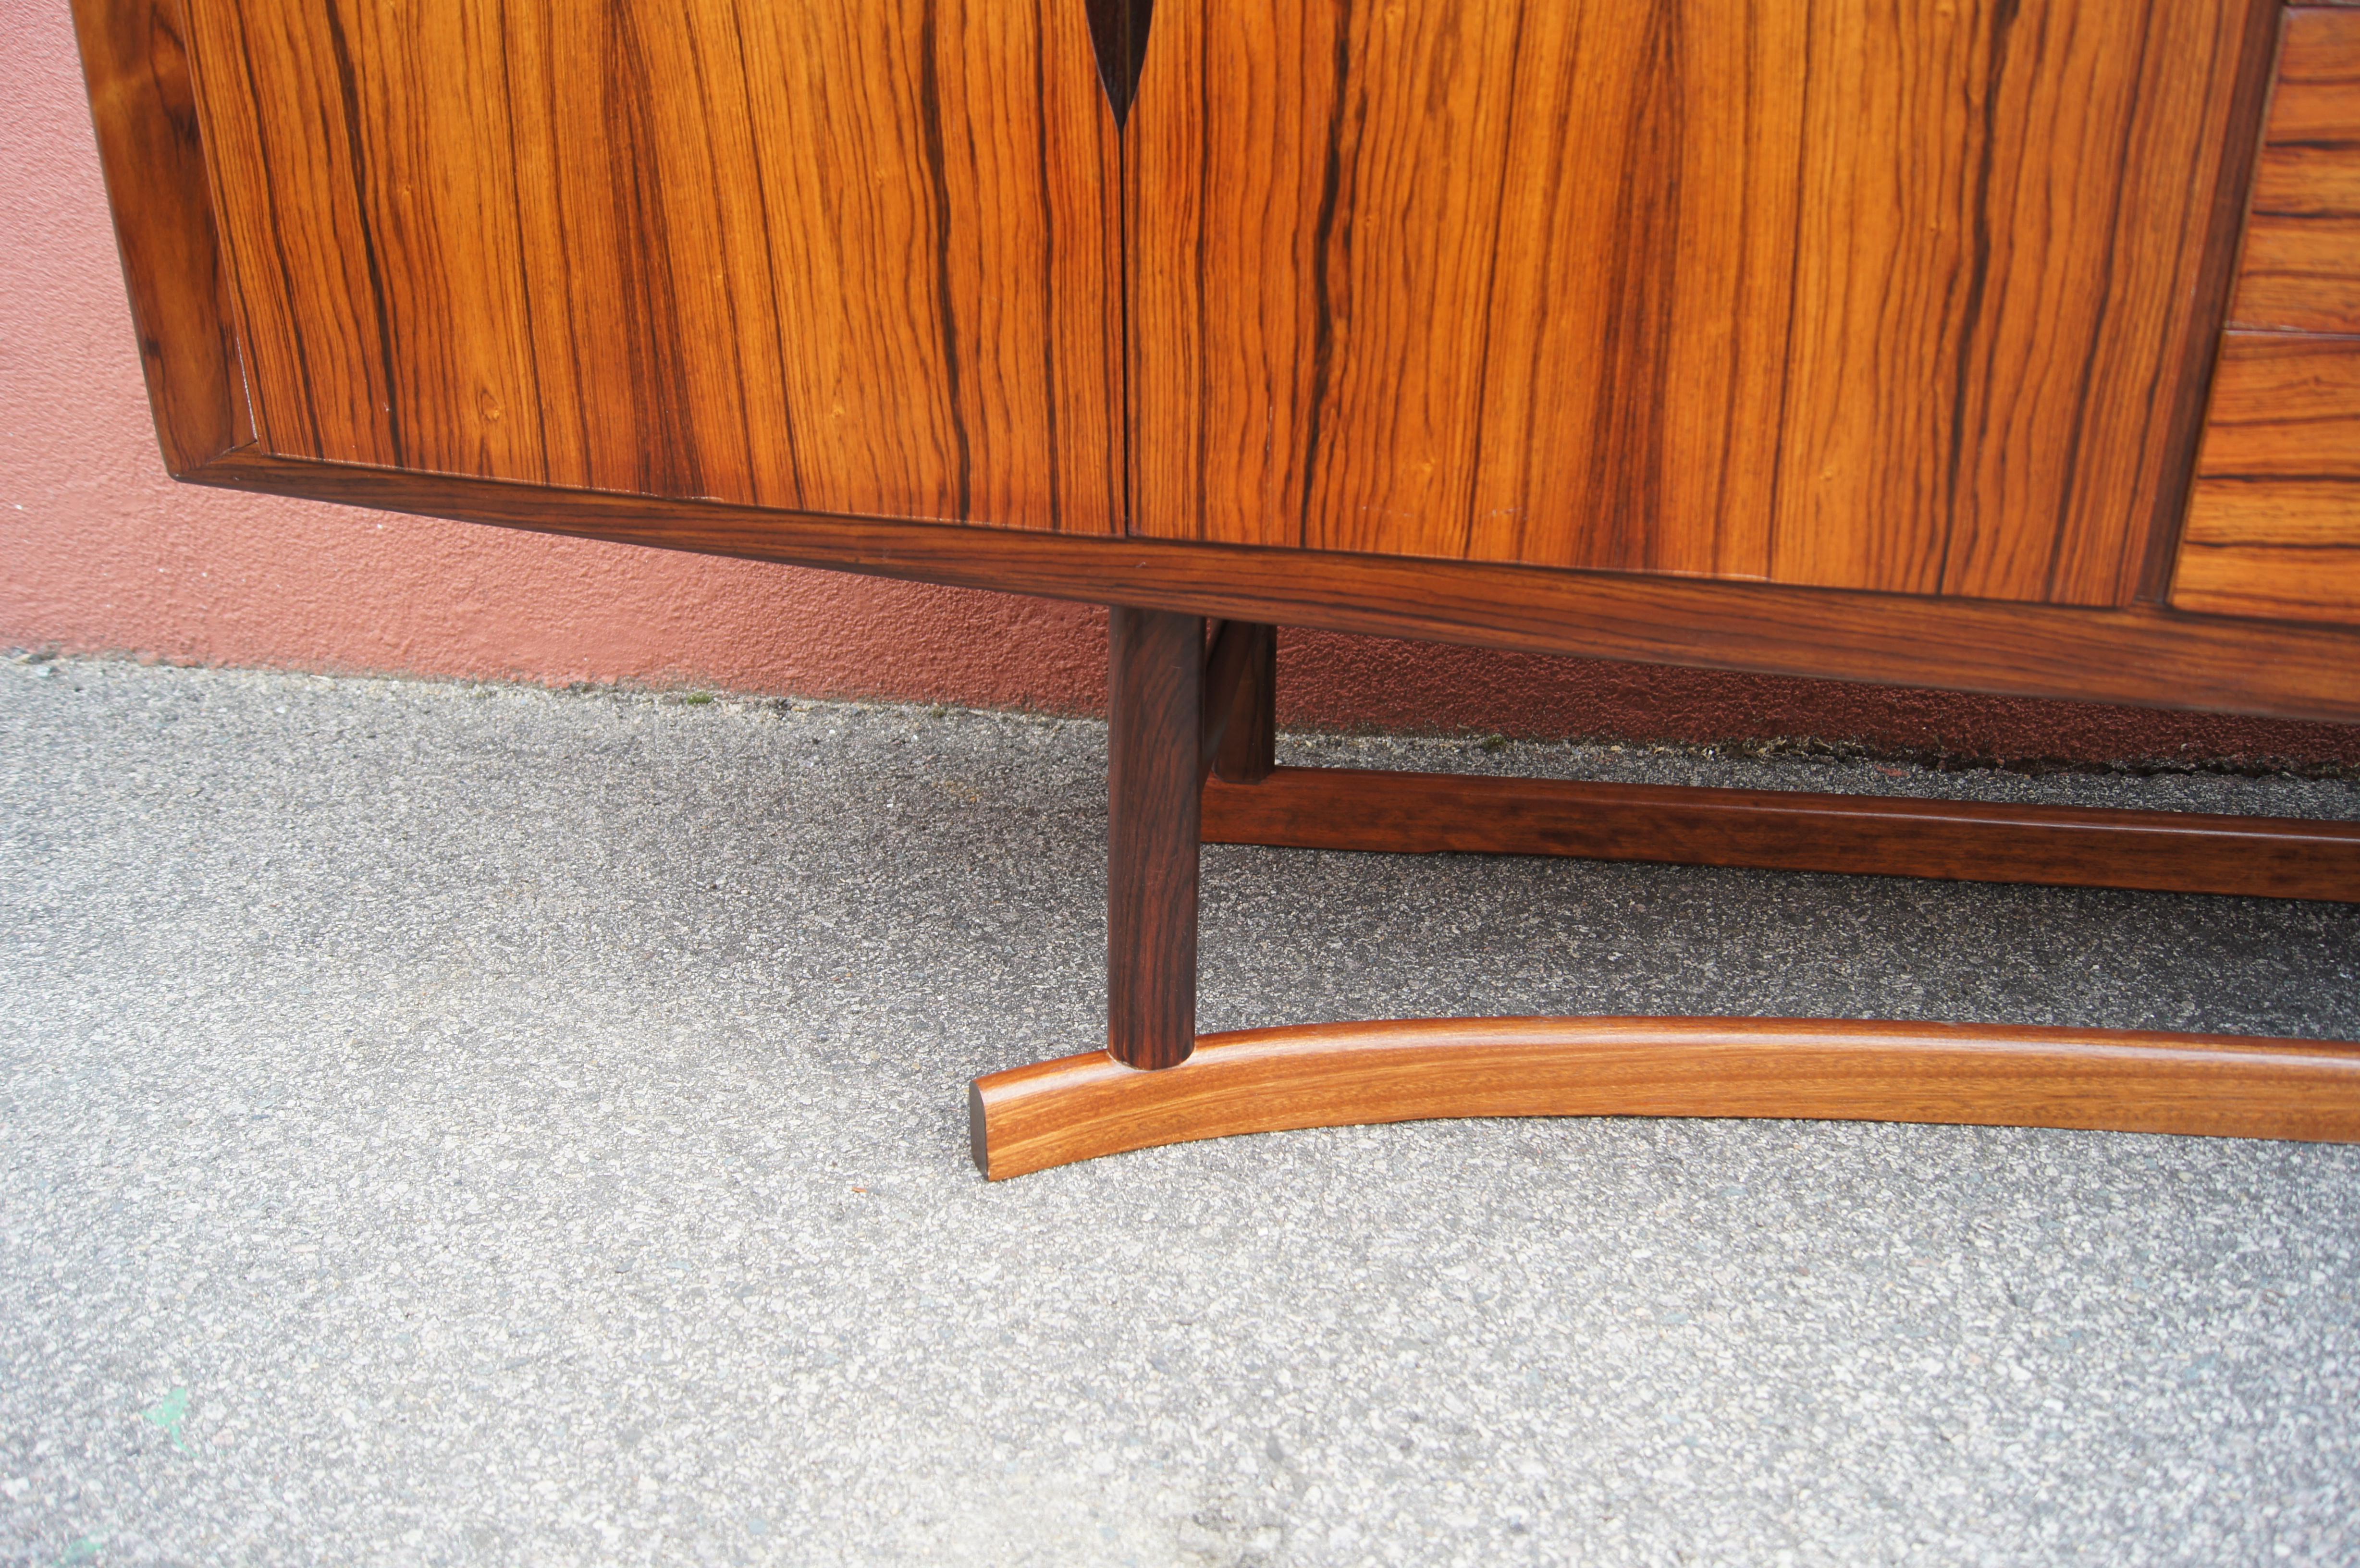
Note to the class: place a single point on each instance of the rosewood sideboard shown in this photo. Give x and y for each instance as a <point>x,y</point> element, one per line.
<point>1998,345</point>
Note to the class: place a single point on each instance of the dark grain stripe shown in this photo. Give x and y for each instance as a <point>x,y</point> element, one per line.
<point>930,106</point>
<point>1323,325</point>
<point>357,150</point>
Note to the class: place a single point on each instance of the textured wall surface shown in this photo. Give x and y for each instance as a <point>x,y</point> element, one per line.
<point>99,553</point>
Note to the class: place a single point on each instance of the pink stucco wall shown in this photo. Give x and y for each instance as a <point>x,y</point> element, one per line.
<point>99,553</point>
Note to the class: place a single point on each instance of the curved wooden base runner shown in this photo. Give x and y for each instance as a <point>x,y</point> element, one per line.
<point>1054,1113</point>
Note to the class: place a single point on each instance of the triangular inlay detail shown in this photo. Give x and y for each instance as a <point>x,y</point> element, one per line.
<point>1118,29</point>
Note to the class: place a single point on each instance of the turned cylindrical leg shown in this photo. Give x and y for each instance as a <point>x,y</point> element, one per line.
<point>1156,669</point>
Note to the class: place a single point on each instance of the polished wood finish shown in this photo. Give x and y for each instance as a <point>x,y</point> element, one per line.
<point>2302,266</point>
<point>1248,747</point>
<point>1155,687</point>
<point>2139,654</point>
<point>1891,297</point>
<point>842,256</point>
<point>1426,814</point>
<point>2207,314</point>
<point>1229,665</point>
<point>1054,1113</point>
<point>2300,274</point>
<point>135,60</point>
<point>2274,527</point>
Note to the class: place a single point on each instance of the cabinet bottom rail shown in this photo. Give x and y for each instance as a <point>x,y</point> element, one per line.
<point>1271,1080</point>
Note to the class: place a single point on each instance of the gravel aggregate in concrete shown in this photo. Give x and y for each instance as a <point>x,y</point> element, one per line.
<point>479,1125</point>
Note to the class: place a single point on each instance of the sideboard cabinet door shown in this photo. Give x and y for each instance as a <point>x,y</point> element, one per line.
<point>836,256</point>
<point>1845,293</point>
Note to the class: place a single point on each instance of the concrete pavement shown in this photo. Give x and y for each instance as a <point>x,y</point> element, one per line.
<point>454,1125</point>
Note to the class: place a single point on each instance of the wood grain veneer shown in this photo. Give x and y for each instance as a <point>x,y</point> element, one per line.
<point>1425,813</point>
<point>1054,1113</point>
<point>2302,266</point>
<point>1917,298</point>
<point>2274,523</point>
<point>853,256</point>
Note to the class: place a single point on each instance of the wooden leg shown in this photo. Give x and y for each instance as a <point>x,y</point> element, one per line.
<point>1248,747</point>
<point>1053,1113</point>
<point>1156,679</point>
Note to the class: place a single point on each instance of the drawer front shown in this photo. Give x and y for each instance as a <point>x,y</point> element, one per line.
<point>2301,267</point>
<point>2274,527</point>
<point>2273,524</point>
